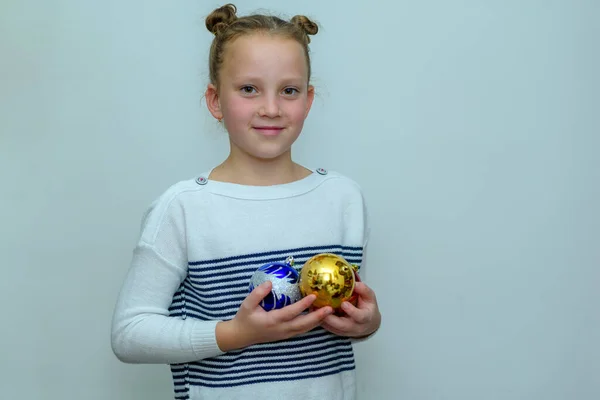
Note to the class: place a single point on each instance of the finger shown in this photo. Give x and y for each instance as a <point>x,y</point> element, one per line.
<point>257,295</point>
<point>356,314</point>
<point>333,330</point>
<point>309,321</point>
<point>365,292</point>
<point>293,310</point>
<point>340,324</point>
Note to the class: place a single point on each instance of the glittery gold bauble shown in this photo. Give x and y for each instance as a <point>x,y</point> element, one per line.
<point>330,277</point>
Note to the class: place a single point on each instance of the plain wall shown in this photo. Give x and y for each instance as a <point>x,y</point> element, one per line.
<point>472,126</point>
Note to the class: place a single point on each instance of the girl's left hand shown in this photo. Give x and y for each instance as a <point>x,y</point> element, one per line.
<point>359,321</point>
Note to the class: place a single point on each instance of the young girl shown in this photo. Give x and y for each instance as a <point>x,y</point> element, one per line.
<point>185,300</point>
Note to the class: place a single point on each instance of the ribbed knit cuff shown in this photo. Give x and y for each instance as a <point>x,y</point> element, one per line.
<point>204,339</point>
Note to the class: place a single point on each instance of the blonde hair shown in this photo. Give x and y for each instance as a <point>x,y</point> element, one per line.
<point>227,26</point>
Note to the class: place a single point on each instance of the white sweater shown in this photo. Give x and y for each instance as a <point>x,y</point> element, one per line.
<point>200,243</point>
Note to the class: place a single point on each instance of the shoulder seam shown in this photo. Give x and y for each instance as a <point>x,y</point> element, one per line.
<point>167,200</point>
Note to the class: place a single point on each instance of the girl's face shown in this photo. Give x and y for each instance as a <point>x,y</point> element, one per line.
<point>263,95</point>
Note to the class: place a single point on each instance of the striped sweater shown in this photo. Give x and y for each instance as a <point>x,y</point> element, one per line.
<point>200,242</point>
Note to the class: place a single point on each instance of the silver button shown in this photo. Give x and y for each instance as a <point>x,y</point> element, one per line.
<point>201,180</point>
<point>322,171</point>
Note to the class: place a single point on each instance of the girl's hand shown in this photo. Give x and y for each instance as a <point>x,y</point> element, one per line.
<point>252,324</point>
<point>359,321</point>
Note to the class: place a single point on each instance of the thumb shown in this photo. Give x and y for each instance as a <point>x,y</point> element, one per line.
<point>258,294</point>
<point>365,292</point>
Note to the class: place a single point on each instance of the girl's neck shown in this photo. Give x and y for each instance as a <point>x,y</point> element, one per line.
<point>259,172</point>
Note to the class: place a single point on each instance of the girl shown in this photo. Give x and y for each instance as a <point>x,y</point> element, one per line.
<point>185,299</point>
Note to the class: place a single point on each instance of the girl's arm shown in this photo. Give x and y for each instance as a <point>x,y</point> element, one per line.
<point>142,330</point>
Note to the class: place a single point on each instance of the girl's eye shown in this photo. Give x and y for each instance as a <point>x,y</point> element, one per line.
<point>290,91</point>
<point>247,89</point>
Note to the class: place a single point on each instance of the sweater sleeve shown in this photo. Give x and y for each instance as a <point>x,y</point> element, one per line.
<point>142,330</point>
<point>366,237</point>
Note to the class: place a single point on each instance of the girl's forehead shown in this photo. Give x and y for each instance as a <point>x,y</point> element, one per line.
<point>264,54</point>
<point>249,45</point>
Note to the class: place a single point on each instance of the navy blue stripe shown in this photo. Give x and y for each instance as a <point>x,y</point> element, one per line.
<point>300,354</point>
<point>192,291</point>
<point>215,306</point>
<point>176,314</point>
<point>206,272</point>
<point>272,378</point>
<point>216,293</point>
<point>241,295</point>
<point>195,312</point>
<point>280,369</point>
<point>299,345</point>
<point>277,252</point>
<point>313,368</point>
<point>298,262</point>
<point>203,308</point>
<point>309,356</point>
<point>223,289</point>
<point>217,271</point>
<point>241,281</point>
<point>206,370</point>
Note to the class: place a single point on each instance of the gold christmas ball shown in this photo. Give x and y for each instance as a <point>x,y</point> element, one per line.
<point>330,277</point>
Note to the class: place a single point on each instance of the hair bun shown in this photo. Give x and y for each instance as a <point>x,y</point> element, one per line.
<point>307,26</point>
<point>221,18</point>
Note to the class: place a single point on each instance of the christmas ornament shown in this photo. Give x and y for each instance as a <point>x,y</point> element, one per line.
<point>354,298</point>
<point>284,279</point>
<point>331,278</point>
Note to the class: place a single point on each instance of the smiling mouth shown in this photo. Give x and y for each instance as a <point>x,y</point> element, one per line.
<point>269,130</point>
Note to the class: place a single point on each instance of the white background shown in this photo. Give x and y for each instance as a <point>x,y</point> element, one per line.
<point>472,126</point>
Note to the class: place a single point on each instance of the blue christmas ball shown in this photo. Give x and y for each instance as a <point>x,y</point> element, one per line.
<point>284,278</point>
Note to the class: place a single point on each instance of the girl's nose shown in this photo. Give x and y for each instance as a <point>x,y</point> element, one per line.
<point>270,108</point>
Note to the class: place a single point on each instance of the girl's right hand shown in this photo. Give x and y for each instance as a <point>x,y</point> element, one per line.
<point>252,324</point>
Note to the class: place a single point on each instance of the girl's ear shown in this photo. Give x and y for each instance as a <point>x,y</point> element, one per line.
<point>310,98</point>
<point>212,101</point>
